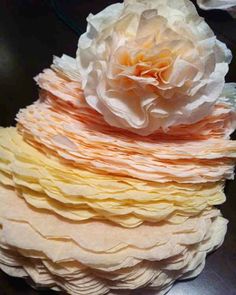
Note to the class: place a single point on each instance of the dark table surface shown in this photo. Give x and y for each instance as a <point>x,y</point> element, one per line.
<point>31,32</point>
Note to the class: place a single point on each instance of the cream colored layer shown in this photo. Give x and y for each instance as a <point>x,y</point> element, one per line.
<point>78,194</point>
<point>97,258</point>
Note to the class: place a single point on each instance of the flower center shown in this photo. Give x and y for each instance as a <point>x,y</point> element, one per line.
<point>147,63</point>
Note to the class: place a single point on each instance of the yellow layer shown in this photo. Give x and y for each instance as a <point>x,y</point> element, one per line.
<point>77,194</point>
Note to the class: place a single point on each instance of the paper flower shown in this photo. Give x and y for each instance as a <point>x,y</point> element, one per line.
<point>153,64</point>
<point>102,209</point>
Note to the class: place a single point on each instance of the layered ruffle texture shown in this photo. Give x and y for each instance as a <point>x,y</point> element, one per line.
<point>101,258</point>
<point>62,124</point>
<point>150,64</point>
<point>77,194</point>
<point>106,211</point>
<point>109,180</point>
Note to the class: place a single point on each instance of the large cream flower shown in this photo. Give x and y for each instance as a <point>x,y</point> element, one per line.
<point>151,64</point>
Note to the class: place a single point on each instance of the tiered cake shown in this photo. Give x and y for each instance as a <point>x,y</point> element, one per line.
<point>108,182</point>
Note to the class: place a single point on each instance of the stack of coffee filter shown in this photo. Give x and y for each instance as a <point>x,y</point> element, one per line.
<point>93,202</point>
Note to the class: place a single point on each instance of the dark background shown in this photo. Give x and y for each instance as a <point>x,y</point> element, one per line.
<point>31,32</point>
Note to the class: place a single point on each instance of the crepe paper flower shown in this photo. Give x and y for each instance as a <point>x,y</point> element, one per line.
<point>228,5</point>
<point>100,258</point>
<point>112,175</point>
<point>147,65</point>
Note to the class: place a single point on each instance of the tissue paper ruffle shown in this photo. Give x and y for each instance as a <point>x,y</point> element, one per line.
<point>66,95</point>
<point>151,64</point>
<point>80,195</point>
<point>61,123</point>
<point>91,209</point>
<point>165,160</point>
<point>60,254</point>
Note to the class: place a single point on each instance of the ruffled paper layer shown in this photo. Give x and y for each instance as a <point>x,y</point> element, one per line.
<point>63,90</point>
<point>60,254</point>
<point>72,140</point>
<point>80,195</point>
<point>145,66</point>
<point>61,123</point>
<point>73,187</point>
